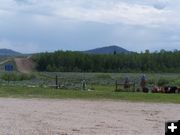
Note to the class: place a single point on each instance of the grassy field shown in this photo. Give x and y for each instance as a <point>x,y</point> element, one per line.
<point>100,93</point>
<point>73,80</point>
<point>101,86</point>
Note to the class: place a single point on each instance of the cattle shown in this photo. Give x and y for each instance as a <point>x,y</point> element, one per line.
<point>178,90</point>
<point>166,89</point>
<point>157,89</point>
<point>170,89</point>
<point>145,90</point>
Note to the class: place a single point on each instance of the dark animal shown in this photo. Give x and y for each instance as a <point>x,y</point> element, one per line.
<point>145,90</point>
<point>170,89</point>
<point>155,89</point>
<point>178,90</point>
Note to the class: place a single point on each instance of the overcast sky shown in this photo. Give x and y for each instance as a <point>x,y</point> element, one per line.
<point>47,25</point>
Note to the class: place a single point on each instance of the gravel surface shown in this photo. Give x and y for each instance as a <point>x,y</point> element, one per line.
<point>78,117</point>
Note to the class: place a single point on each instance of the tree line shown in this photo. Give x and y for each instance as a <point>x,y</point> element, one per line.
<point>60,61</point>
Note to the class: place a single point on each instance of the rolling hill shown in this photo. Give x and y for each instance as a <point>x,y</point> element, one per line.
<point>107,50</point>
<point>9,52</point>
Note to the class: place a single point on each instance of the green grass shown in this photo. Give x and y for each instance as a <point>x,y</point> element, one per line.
<point>71,80</point>
<point>100,93</point>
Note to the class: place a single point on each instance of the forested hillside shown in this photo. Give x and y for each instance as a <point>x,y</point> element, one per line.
<point>133,62</point>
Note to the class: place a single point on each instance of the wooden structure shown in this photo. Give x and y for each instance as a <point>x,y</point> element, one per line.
<point>125,86</point>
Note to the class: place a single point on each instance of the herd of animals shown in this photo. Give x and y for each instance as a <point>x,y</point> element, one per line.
<point>166,89</point>
<point>155,89</point>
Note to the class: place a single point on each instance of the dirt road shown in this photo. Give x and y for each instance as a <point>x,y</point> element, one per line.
<point>75,117</point>
<point>24,65</point>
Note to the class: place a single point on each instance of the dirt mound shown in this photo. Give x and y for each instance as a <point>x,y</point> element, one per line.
<point>24,65</point>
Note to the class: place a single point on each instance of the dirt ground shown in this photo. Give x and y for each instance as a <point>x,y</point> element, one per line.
<point>78,117</point>
<point>24,65</point>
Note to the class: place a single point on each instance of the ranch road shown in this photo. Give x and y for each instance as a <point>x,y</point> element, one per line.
<point>79,117</point>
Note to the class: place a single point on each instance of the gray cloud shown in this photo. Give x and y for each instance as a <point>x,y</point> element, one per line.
<point>80,25</point>
<point>160,4</point>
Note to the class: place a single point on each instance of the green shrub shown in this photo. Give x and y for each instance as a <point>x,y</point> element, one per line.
<point>119,78</point>
<point>17,76</point>
<point>163,82</point>
<point>103,76</point>
<point>175,83</point>
<point>151,81</point>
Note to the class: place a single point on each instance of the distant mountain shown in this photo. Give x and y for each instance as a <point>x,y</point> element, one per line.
<point>9,52</point>
<point>108,50</point>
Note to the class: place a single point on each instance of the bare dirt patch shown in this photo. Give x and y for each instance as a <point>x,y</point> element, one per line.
<point>78,117</point>
<point>24,65</point>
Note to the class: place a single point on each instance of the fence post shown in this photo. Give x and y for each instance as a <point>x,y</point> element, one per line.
<point>8,78</point>
<point>56,82</point>
<point>84,85</point>
<point>134,87</point>
<point>116,86</point>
